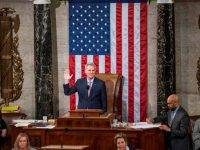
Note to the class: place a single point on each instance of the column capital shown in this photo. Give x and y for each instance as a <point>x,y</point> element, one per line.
<point>41,2</point>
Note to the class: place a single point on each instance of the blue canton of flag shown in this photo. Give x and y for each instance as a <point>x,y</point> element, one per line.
<point>89,28</point>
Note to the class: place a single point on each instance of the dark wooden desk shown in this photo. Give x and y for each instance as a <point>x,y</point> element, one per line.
<point>95,138</point>
<point>65,147</point>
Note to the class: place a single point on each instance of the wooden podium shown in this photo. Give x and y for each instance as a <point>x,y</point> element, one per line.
<point>86,113</point>
<point>86,118</point>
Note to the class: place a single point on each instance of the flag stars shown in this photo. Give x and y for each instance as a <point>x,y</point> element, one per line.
<point>89,30</point>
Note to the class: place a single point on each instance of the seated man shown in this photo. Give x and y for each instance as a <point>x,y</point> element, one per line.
<point>91,90</point>
<point>196,135</point>
<point>3,130</point>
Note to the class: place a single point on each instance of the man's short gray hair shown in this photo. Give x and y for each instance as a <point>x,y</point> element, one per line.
<point>90,64</point>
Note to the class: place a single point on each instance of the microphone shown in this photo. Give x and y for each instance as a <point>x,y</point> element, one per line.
<point>87,87</point>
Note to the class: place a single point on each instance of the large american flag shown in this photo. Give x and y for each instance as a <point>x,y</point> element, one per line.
<point>114,37</point>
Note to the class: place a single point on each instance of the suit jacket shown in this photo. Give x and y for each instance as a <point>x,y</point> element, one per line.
<point>196,135</point>
<point>97,98</point>
<point>178,138</point>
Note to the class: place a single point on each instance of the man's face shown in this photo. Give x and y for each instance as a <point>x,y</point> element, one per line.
<point>90,71</point>
<point>171,104</point>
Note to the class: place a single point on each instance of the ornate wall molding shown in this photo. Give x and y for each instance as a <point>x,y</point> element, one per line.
<point>10,61</point>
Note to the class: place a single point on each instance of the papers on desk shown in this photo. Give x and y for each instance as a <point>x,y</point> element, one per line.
<point>144,125</point>
<point>36,123</point>
<point>24,122</point>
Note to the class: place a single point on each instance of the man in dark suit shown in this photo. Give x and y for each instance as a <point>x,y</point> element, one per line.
<point>176,123</point>
<point>91,90</point>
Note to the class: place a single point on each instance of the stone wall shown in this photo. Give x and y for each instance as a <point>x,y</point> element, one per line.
<point>187,35</point>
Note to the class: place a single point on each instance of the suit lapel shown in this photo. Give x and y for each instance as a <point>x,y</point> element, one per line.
<point>176,116</point>
<point>86,87</point>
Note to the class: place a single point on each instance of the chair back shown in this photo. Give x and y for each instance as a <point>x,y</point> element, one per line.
<point>113,82</point>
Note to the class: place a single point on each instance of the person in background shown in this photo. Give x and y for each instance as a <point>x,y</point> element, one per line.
<point>22,142</point>
<point>176,123</point>
<point>91,90</point>
<point>3,130</point>
<point>120,141</point>
<point>196,135</point>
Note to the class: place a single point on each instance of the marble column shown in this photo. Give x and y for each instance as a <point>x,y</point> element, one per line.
<point>166,55</point>
<point>43,58</point>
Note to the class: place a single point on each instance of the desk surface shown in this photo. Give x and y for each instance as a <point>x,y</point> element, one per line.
<point>65,147</point>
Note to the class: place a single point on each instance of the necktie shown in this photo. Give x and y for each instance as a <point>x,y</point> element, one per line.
<point>90,86</point>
